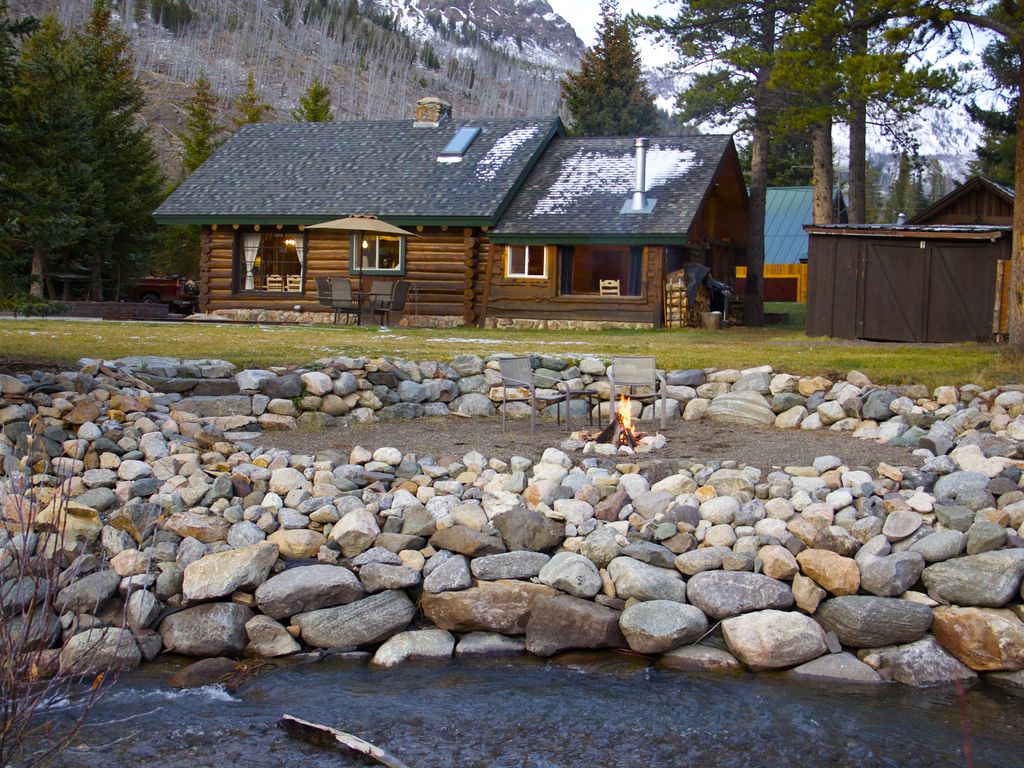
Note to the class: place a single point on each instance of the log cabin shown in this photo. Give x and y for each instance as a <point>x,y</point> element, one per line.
<point>454,185</point>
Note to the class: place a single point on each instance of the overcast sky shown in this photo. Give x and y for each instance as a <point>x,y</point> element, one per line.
<point>584,15</point>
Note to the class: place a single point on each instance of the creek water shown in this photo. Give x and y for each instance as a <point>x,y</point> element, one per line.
<point>581,710</point>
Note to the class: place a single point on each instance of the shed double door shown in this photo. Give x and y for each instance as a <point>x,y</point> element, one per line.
<point>897,290</point>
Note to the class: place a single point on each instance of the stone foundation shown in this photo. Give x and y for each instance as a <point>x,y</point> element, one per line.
<point>534,324</point>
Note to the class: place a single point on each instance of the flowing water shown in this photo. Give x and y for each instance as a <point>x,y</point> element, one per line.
<point>586,710</point>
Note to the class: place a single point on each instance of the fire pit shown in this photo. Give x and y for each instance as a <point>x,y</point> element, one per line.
<point>621,434</point>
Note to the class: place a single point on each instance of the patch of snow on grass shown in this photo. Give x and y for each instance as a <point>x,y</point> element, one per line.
<point>587,172</point>
<point>489,165</point>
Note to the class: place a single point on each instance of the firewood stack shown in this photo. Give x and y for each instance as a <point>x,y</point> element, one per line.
<point>679,311</point>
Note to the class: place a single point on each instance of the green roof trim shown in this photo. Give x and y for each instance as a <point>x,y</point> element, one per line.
<point>398,221</point>
<point>559,239</point>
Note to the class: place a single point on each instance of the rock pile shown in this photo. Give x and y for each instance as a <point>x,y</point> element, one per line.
<point>213,547</point>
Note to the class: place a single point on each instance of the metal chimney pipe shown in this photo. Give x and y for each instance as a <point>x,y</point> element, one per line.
<point>639,196</point>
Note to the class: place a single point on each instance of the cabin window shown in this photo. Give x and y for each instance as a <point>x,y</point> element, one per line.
<point>602,270</point>
<point>271,262</point>
<point>378,254</point>
<point>526,261</point>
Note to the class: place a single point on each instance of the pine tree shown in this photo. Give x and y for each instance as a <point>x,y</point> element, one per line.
<point>735,43</point>
<point>53,183</point>
<point>314,104</point>
<point>203,132</point>
<point>248,106</point>
<point>608,96</point>
<point>123,230</point>
<point>994,156</point>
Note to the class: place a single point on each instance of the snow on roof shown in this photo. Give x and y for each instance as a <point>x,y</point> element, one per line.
<point>591,171</point>
<point>502,149</point>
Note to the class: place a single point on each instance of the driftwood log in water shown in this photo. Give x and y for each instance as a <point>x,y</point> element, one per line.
<point>324,736</point>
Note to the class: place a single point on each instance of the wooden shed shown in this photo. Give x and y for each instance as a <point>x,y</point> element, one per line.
<point>909,283</point>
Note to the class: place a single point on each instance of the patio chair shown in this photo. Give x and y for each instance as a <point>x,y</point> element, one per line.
<point>609,288</point>
<point>396,303</point>
<point>293,283</point>
<point>517,373</point>
<point>628,372</point>
<point>275,283</point>
<point>342,300</point>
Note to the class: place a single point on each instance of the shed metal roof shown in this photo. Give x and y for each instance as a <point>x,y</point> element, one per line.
<point>787,210</point>
<point>579,185</point>
<point>307,172</point>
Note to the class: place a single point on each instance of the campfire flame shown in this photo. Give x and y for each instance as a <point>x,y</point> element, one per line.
<point>628,435</point>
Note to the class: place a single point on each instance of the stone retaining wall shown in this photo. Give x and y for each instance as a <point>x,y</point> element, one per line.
<point>211,547</point>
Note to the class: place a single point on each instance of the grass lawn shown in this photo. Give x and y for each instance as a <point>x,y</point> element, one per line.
<point>785,347</point>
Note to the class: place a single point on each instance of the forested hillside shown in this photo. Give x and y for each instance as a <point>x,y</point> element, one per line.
<point>377,59</point>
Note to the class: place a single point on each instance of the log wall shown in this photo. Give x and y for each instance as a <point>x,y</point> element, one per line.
<point>537,298</point>
<point>441,264</point>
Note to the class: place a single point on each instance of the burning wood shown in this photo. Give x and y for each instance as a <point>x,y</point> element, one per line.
<point>620,430</point>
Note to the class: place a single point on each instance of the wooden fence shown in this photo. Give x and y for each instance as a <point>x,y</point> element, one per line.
<point>782,282</point>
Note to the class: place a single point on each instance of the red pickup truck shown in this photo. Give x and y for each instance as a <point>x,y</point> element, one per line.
<point>180,294</point>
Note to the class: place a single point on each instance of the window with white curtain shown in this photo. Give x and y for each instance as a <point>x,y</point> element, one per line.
<point>378,254</point>
<point>270,262</point>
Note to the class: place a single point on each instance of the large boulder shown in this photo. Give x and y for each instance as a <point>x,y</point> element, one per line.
<point>493,606</point>
<point>355,532</point>
<point>990,579</point>
<point>211,629</point>
<point>220,574</point>
<point>268,639</point>
<point>774,639</point>
<point>97,651</point>
<point>89,593</point>
<point>524,529</point>
<point>861,621</point>
<point>509,565</point>
<point>748,409</point>
<point>466,541</point>
<point>721,594</point>
<point>205,528</point>
<point>422,644</point>
<point>640,581</point>
<point>307,588</point>
<point>363,622</point>
<point>891,575</point>
<point>561,622</point>
<point>571,573</point>
<point>919,664</point>
<point>657,626</point>
<point>985,639</point>
<point>297,543</point>
<point>839,668</point>
<point>835,573</point>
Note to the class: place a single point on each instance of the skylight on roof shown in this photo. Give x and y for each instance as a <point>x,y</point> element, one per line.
<point>457,147</point>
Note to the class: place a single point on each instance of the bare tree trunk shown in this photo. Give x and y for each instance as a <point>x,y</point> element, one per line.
<point>38,268</point>
<point>858,204</point>
<point>96,277</point>
<point>753,305</point>
<point>821,136</point>
<point>1016,320</point>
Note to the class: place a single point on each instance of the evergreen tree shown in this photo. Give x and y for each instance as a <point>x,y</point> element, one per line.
<point>53,183</point>
<point>789,162</point>
<point>1005,20</point>
<point>608,96</point>
<point>248,106</point>
<point>994,156</point>
<point>122,230</point>
<point>314,104</point>
<point>203,132</point>
<point>11,30</point>
<point>735,43</point>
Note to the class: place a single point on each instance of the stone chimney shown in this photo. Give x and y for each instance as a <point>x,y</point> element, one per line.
<point>431,112</point>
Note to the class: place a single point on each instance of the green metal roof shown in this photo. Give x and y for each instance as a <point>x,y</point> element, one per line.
<point>787,209</point>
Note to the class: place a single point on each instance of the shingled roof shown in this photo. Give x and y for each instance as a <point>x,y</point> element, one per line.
<point>307,172</point>
<point>578,188</point>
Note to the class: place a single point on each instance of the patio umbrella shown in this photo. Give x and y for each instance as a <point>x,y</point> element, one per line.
<point>362,223</point>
